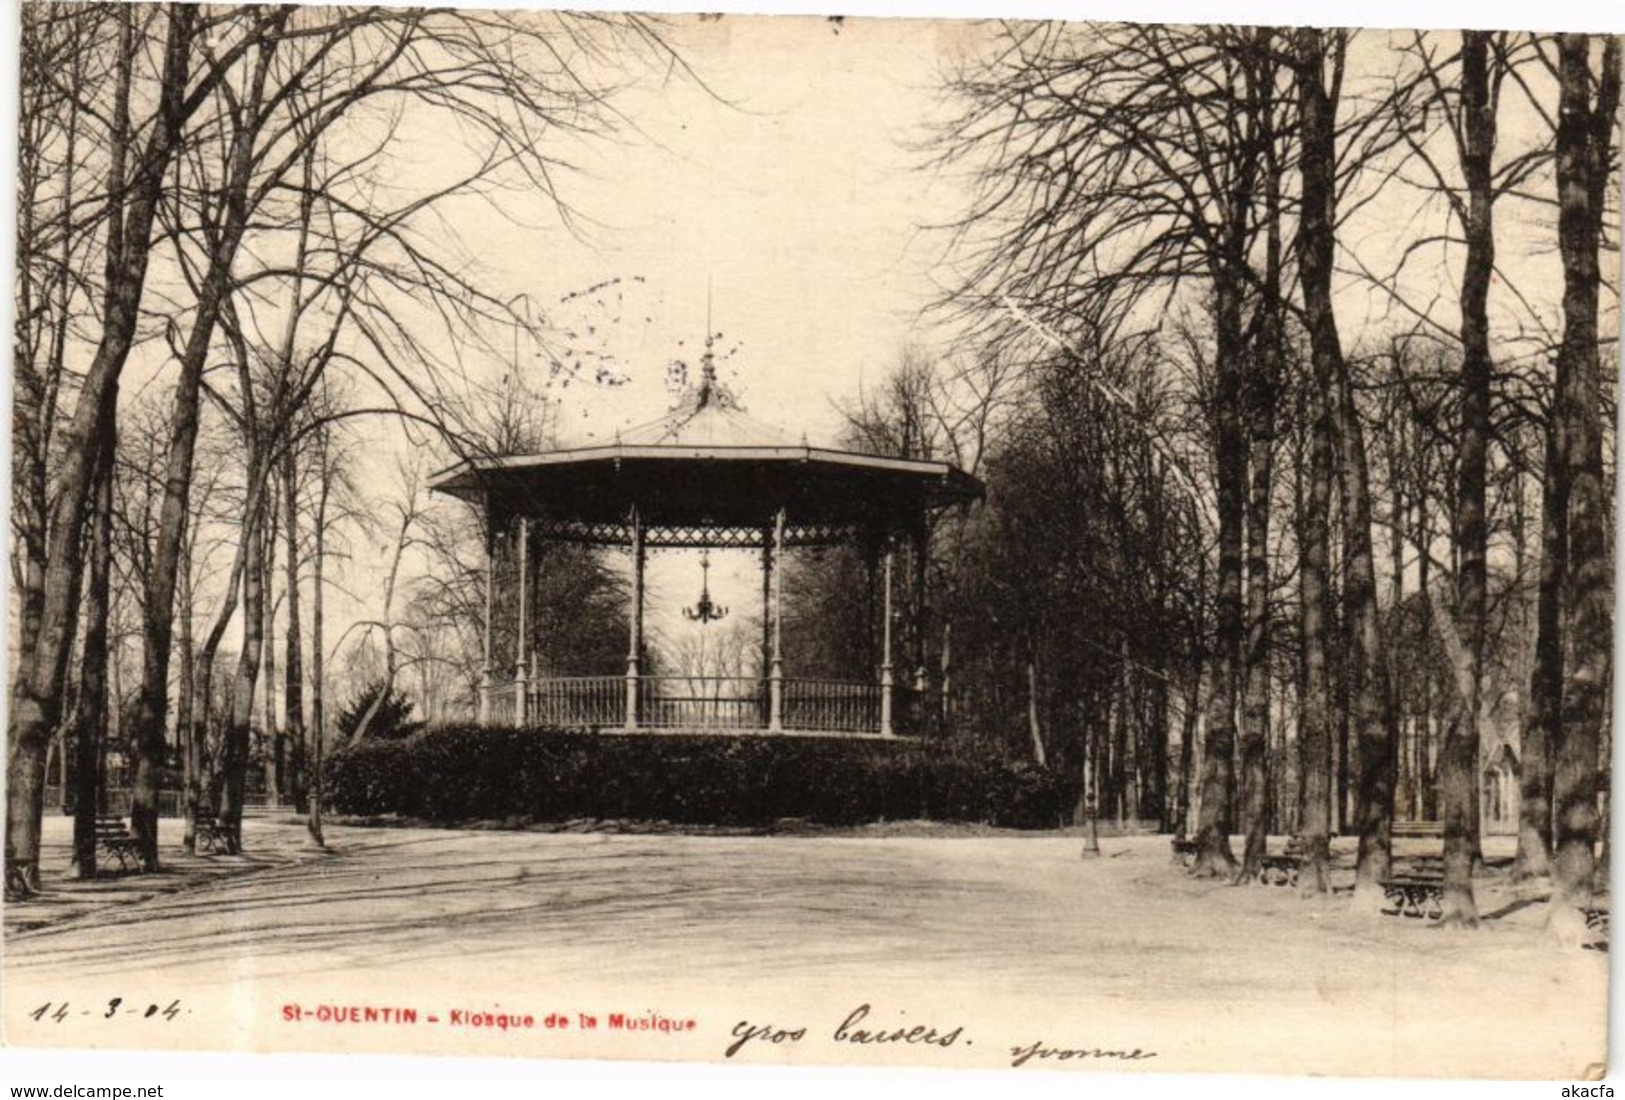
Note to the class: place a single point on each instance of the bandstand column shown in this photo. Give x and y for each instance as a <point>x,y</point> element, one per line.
<point>521,678</point>
<point>920,549</point>
<point>533,647</point>
<point>634,650</point>
<point>775,679</point>
<point>767,619</point>
<point>871,575</point>
<point>484,713</point>
<point>886,721</point>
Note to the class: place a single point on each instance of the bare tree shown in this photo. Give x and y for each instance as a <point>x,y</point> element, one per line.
<point>309,70</point>
<point>1125,164</point>
<point>92,725</point>
<point>1589,92</point>
<point>1317,61</point>
<point>293,693</point>
<point>135,176</point>
<point>408,515</point>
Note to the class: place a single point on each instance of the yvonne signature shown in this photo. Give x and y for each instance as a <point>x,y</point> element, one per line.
<point>857,1029</point>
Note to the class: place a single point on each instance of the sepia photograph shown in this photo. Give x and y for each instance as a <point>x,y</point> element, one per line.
<point>1005,545</point>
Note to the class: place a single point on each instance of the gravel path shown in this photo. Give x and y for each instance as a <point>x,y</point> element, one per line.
<point>1012,939</point>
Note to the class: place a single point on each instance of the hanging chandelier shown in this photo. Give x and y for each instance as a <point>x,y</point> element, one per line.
<point>705,611</point>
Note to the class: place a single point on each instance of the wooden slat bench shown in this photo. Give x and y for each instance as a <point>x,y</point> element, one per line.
<point>17,888</point>
<point>211,837</point>
<point>1279,870</point>
<point>1420,897</point>
<point>1282,869</point>
<point>1418,830</point>
<point>1596,922</point>
<point>115,838</point>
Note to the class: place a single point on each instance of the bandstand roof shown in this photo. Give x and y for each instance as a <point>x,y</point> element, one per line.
<point>708,465</point>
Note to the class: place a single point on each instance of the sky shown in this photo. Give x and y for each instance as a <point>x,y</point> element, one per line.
<point>780,189</point>
<point>782,194</point>
<point>779,196</point>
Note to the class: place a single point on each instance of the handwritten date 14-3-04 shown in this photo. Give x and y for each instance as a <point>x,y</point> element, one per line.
<point>62,1011</point>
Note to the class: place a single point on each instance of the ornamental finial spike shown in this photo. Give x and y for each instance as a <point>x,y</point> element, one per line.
<point>708,363</point>
<point>708,372</point>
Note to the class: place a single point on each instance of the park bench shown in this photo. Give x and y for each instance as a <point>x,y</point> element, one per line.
<point>1184,850</point>
<point>1420,897</point>
<point>210,835</point>
<point>1423,866</point>
<point>1418,893</point>
<point>115,838</point>
<point>1281,870</point>
<point>1596,922</point>
<point>16,880</point>
<point>1418,830</point>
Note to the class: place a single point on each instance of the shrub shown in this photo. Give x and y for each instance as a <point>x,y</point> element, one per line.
<point>393,720</point>
<point>463,773</point>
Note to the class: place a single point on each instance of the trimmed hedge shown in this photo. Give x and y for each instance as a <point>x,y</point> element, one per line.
<point>467,773</point>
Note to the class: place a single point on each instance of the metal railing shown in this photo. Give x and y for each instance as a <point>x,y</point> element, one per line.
<point>702,702</point>
<point>578,701</point>
<point>721,703</point>
<point>831,706</point>
<point>501,701</point>
<point>117,800</point>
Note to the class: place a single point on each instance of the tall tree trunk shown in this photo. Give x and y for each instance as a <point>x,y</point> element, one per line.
<point>1192,705</point>
<point>38,691</point>
<point>1369,693</point>
<point>92,718</point>
<point>205,676</point>
<point>1262,386</point>
<point>186,702</point>
<point>271,735</point>
<point>1546,676</point>
<point>248,670</point>
<point>1316,245</point>
<point>1255,695</point>
<point>1405,785</point>
<point>1213,854</point>
<point>1117,774</point>
<point>1461,755</point>
<point>1154,756</point>
<point>293,691</point>
<point>1229,271</point>
<point>1034,730</point>
<point>153,700</point>
<point>1588,103</point>
<point>1315,708</point>
<point>318,715</point>
<point>1427,768</point>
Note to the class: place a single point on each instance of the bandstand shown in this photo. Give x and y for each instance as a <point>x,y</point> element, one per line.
<point>707,475</point>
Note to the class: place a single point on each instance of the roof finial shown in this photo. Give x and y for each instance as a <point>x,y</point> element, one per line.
<point>708,366</point>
